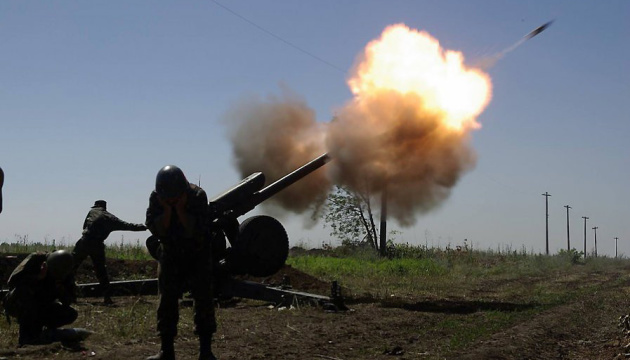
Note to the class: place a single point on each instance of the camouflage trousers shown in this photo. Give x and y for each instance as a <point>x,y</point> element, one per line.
<point>179,273</point>
<point>96,251</point>
<point>49,315</point>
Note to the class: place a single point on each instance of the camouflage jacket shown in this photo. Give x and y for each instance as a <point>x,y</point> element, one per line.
<point>99,223</point>
<point>31,289</point>
<point>176,235</point>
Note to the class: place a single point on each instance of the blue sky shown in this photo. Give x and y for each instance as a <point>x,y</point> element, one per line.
<point>95,97</point>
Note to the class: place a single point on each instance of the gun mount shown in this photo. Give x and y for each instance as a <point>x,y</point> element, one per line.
<point>280,295</point>
<point>259,245</point>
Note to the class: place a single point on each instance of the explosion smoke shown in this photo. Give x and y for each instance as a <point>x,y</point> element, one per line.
<point>276,137</point>
<point>406,130</point>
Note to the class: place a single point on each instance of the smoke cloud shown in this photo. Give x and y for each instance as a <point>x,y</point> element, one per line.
<point>388,142</point>
<point>406,132</point>
<point>275,137</point>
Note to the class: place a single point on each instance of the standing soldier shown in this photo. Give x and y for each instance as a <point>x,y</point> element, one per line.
<point>1,183</point>
<point>177,216</point>
<point>41,289</point>
<point>98,224</point>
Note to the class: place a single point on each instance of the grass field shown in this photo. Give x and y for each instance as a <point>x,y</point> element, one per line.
<point>477,293</point>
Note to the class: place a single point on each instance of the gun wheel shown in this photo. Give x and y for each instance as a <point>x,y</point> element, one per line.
<point>262,247</point>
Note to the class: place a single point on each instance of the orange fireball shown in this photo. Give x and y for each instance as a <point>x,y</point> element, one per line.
<point>411,61</point>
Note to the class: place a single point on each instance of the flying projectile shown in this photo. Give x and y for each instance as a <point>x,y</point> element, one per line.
<point>538,30</point>
<point>491,60</point>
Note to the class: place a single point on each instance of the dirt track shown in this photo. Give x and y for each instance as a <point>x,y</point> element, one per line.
<point>586,327</point>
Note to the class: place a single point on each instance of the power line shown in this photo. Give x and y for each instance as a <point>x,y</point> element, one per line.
<point>277,37</point>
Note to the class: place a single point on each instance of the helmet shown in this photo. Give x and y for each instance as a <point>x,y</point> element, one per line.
<point>170,182</point>
<point>60,264</point>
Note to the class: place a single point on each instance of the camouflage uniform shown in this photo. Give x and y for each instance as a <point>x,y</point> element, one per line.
<point>39,303</point>
<point>185,263</point>
<point>98,224</point>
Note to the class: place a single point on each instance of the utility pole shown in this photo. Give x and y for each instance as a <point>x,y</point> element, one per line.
<point>546,195</point>
<point>585,218</point>
<point>616,239</point>
<point>568,235</point>
<point>595,228</point>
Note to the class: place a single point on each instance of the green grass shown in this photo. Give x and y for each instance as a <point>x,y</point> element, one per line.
<point>23,245</point>
<point>411,274</point>
<point>117,250</point>
<point>127,251</point>
<point>483,275</point>
<point>539,282</point>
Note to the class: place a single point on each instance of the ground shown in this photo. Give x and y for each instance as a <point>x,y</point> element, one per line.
<point>586,327</point>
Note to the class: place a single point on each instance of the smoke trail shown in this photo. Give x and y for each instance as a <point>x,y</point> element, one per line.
<point>490,61</point>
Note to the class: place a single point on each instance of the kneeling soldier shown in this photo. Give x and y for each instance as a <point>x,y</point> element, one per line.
<point>41,289</point>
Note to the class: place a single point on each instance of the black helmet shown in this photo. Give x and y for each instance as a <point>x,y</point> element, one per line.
<point>60,264</point>
<point>170,182</point>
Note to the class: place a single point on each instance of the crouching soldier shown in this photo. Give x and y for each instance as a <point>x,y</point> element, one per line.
<point>41,289</point>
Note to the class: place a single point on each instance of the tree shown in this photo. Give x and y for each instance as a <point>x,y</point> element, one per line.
<point>351,217</point>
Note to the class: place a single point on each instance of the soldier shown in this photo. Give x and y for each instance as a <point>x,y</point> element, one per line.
<point>1,183</point>
<point>98,224</point>
<point>177,217</point>
<point>41,289</point>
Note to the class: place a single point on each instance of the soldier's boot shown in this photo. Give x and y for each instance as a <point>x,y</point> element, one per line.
<point>205,348</point>
<point>29,335</point>
<point>107,294</point>
<point>167,351</point>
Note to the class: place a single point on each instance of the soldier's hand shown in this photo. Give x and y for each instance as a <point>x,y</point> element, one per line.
<point>165,205</point>
<point>180,206</point>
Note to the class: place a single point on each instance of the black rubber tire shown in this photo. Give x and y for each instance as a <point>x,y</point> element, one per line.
<point>262,247</point>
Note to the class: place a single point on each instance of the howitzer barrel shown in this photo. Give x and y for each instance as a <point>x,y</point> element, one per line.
<point>241,193</point>
<point>281,184</point>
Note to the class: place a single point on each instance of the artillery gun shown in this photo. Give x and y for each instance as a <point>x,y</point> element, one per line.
<point>259,246</point>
